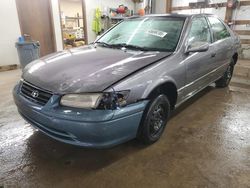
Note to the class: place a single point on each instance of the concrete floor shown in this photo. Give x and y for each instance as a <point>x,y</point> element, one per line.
<point>206,144</point>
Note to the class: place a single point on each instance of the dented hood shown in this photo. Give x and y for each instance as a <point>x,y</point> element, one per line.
<point>87,69</point>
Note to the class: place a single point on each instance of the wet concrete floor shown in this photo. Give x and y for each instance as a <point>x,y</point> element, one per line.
<point>206,144</point>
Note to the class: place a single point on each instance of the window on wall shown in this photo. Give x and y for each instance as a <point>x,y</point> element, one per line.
<point>219,29</point>
<point>199,33</point>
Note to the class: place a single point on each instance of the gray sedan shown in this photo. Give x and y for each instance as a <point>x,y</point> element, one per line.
<point>125,84</point>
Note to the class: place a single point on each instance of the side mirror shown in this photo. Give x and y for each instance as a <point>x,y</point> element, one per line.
<point>202,48</point>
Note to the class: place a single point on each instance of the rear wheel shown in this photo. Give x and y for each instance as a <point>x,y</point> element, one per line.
<point>154,120</point>
<point>226,78</point>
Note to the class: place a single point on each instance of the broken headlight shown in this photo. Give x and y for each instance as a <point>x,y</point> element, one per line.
<point>112,100</point>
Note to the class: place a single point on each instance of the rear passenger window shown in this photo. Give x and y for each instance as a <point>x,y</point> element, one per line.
<point>219,29</point>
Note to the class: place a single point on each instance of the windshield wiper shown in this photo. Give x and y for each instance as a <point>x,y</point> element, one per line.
<point>134,47</point>
<point>129,46</point>
<point>103,44</point>
<point>122,45</point>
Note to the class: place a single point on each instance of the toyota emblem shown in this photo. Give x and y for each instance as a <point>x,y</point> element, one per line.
<point>35,94</point>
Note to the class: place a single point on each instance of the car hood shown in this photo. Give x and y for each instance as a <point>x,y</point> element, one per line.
<point>87,69</point>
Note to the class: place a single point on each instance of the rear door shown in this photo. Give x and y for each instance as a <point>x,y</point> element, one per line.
<point>223,44</point>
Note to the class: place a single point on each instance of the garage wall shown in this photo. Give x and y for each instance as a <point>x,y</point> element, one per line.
<point>220,11</point>
<point>9,32</point>
<point>242,13</point>
<point>159,7</point>
<point>91,5</point>
<point>178,3</point>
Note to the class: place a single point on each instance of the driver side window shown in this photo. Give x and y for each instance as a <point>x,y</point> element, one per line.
<point>199,33</point>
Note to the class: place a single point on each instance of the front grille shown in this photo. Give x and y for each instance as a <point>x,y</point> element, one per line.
<point>35,94</point>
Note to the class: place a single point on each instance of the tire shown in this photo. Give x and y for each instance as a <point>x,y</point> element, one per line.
<point>226,78</point>
<point>154,120</point>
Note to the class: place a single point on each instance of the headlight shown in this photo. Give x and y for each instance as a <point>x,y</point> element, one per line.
<point>88,101</point>
<point>107,100</point>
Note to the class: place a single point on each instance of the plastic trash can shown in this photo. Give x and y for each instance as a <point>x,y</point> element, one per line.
<point>28,52</point>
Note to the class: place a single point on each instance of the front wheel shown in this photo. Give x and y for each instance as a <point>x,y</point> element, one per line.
<point>154,120</point>
<point>226,78</point>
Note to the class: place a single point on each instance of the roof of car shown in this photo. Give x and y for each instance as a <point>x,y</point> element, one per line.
<point>171,15</point>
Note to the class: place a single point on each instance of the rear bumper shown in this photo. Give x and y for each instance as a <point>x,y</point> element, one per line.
<point>87,128</point>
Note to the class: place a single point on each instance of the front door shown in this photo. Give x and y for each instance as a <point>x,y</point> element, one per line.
<point>35,19</point>
<point>199,64</point>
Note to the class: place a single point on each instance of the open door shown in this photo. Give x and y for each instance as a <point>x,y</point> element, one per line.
<point>73,23</point>
<point>35,18</point>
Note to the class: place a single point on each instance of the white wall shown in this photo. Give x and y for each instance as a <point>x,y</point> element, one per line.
<point>70,8</point>
<point>91,5</point>
<point>160,7</point>
<point>9,32</point>
<point>57,25</point>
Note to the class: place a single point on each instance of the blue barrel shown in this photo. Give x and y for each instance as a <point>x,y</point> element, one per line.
<point>27,52</point>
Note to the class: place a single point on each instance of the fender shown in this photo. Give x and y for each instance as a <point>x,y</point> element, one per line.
<point>157,83</point>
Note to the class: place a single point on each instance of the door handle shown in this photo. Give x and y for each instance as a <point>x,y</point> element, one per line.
<point>213,54</point>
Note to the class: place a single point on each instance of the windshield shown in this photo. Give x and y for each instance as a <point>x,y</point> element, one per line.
<point>152,33</point>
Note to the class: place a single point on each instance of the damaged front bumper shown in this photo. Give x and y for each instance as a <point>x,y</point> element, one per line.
<point>88,128</point>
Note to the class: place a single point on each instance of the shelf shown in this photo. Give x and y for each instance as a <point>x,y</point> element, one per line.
<point>75,40</point>
<point>80,39</point>
<point>72,29</point>
<point>73,18</point>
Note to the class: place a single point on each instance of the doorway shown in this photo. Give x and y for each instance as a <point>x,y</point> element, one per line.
<point>73,23</point>
<point>35,18</point>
